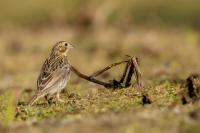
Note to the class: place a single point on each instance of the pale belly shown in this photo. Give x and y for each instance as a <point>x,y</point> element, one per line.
<point>59,86</point>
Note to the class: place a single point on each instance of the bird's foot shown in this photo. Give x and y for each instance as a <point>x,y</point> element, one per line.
<point>58,98</point>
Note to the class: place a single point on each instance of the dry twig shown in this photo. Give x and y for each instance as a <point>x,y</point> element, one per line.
<point>131,68</point>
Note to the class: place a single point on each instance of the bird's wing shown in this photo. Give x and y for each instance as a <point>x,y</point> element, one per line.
<point>51,72</point>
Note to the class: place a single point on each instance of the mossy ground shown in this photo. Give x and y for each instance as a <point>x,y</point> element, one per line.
<point>102,110</point>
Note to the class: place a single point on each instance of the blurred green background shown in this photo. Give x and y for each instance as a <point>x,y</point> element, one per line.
<point>163,34</point>
<point>110,12</point>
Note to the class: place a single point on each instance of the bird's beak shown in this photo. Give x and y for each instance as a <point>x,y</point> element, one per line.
<point>70,46</point>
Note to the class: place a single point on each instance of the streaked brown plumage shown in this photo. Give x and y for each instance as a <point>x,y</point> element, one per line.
<point>54,74</point>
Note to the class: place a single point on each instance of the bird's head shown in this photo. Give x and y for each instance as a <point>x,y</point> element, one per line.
<point>61,48</point>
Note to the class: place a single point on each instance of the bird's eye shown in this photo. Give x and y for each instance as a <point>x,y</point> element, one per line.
<point>66,44</point>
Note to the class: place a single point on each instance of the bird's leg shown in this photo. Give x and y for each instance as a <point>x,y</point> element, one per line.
<point>58,97</point>
<point>46,98</point>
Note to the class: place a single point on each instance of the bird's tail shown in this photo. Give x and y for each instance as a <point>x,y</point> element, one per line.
<point>33,100</point>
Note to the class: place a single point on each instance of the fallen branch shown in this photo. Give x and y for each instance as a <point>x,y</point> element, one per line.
<point>131,68</point>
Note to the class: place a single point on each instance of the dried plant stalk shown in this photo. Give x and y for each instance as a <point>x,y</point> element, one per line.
<point>131,68</point>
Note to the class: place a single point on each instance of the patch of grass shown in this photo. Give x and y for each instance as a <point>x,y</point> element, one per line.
<point>7,108</point>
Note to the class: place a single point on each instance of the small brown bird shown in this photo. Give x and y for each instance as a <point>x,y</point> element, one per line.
<point>54,74</point>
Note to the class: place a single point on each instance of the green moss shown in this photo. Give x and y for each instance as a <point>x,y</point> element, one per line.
<point>7,108</point>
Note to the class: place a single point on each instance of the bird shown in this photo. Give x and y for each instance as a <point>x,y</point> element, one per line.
<point>54,74</point>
